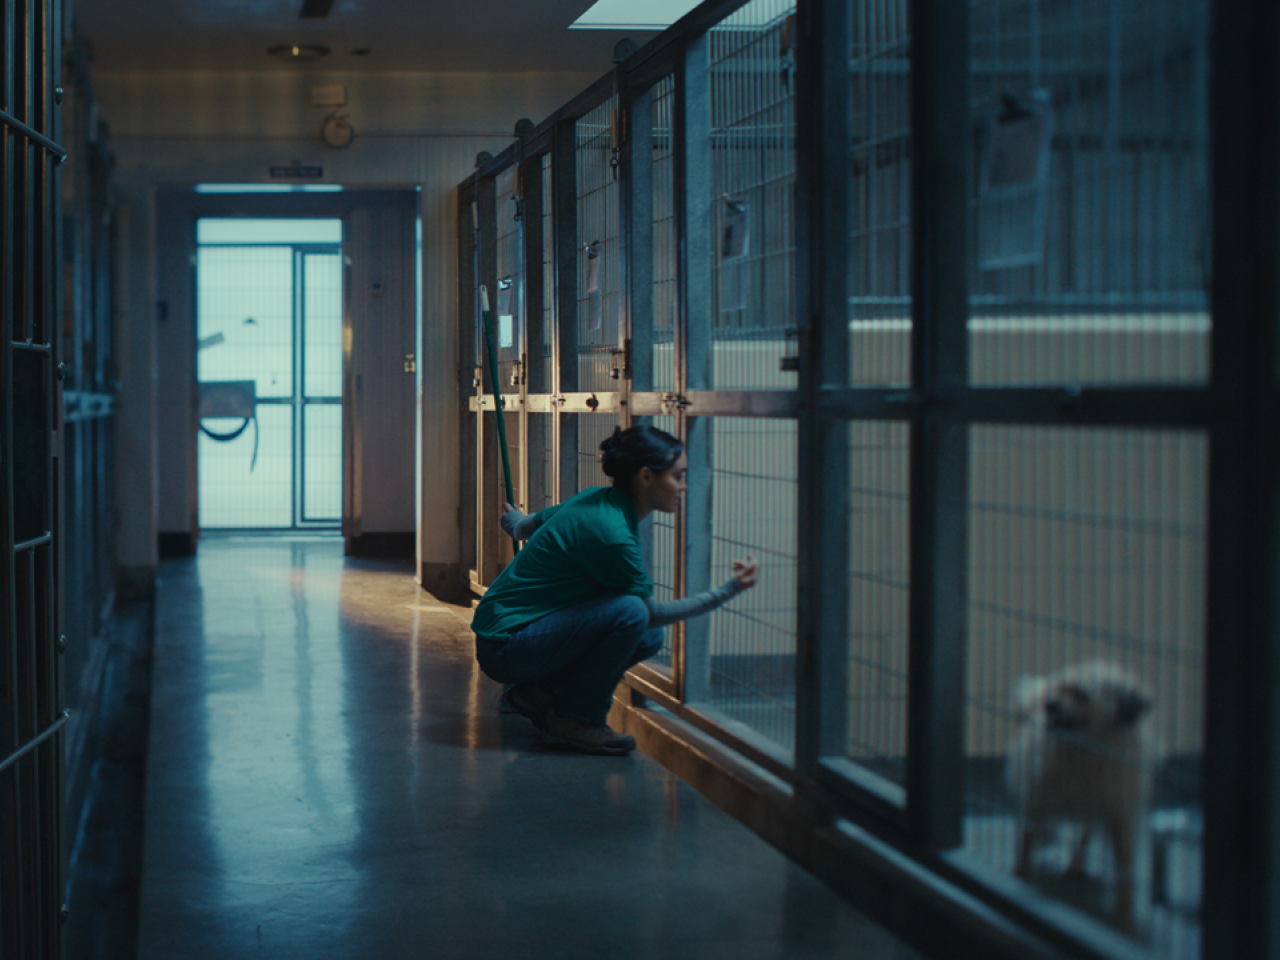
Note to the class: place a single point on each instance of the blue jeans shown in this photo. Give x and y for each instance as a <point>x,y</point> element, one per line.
<point>579,653</point>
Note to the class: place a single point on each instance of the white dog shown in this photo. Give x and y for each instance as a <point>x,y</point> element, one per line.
<point>1084,753</point>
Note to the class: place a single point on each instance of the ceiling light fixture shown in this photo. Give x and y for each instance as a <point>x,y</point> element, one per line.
<point>630,15</point>
<point>298,51</point>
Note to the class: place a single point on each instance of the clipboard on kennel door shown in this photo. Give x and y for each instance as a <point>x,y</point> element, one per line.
<point>230,400</point>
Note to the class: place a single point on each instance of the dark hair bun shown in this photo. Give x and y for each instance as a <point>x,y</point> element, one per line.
<point>613,456</point>
<point>626,452</point>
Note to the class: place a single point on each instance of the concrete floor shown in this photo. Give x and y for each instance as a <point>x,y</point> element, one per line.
<point>327,778</point>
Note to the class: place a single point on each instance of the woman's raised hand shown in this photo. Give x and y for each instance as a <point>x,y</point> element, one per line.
<point>746,571</point>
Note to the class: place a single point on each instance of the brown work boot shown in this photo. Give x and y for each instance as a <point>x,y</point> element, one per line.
<point>587,737</point>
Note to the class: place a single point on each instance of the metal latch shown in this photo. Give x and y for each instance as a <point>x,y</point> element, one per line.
<point>790,361</point>
<point>673,404</point>
<point>620,362</point>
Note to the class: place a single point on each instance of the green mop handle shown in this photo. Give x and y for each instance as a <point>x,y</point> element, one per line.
<point>497,392</point>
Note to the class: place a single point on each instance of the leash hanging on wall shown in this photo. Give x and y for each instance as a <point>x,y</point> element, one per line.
<point>230,400</point>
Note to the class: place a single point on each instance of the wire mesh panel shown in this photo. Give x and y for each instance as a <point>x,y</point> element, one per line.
<point>665,249</point>
<point>544,351</point>
<point>540,489</point>
<point>516,455</point>
<point>540,459</point>
<point>658,543</point>
<point>507,301</point>
<point>753,639</point>
<point>753,178</point>
<point>321,492</point>
<point>879,597</point>
<point>600,248</point>
<point>590,430</point>
<point>879,275</point>
<point>1090,198</point>
<point>1087,581</point>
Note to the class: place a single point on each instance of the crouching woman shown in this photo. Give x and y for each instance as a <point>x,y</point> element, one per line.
<point>575,609</point>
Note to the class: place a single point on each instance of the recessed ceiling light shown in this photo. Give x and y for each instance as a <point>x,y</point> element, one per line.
<point>298,51</point>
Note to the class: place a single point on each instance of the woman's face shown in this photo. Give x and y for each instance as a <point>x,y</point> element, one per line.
<point>666,487</point>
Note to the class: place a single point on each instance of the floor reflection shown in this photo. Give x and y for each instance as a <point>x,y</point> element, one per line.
<point>281,798</point>
<point>329,778</point>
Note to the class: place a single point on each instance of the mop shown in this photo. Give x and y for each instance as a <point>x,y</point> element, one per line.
<point>500,703</point>
<point>497,394</point>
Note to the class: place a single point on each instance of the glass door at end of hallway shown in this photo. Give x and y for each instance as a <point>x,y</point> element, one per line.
<point>269,308</point>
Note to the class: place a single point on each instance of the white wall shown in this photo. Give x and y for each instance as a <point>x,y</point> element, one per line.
<point>137,469</point>
<point>423,130</point>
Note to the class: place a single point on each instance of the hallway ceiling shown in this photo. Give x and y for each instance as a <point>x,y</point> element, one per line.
<point>400,35</point>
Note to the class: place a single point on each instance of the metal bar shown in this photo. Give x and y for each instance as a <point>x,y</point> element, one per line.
<point>692,124</point>
<point>653,685</point>
<point>767,404</point>
<point>33,543</point>
<point>821,229</point>
<point>488,535</point>
<point>500,420</point>
<point>878,802</point>
<point>1111,406</point>
<point>24,273</point>
<point>1242,660</point>
<point>590,403</point>
<point>50,731</point>
<point>536,382</point>
<point>33,135</point>
<point>558,403</point>
<point>694,217</point>
<point>637,219</point>
<point>538,430</point>
<point>939,33</point>
<point>8,191</point>
<point>11,828</point>
<point>771,404</point>
<point>564,198</point>
<point>469,423</point>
